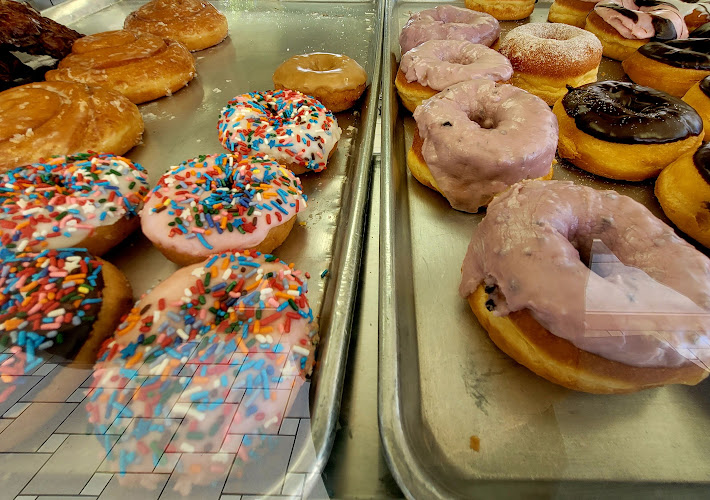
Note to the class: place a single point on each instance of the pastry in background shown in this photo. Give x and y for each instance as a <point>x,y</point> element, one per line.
<point>44,119</point>
<point>503,10</point>
<point>572,12</point>
<point>699,98</point>
<point>143,67</point>
<point>194,23</point>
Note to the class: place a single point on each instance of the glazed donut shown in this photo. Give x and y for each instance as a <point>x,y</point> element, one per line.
<point>572,12</point>
<point>699,98</point>
<point>43,119</point>
<point>625,25</point>
<point>476,138</point>
<point>625,131</point>
<point>243,320</point>
<point>61,301</point>
<point>88,201</point>
<point>337,81</point>
<point>683,190</point>
<point>566,334</point>
<point>223,202</point>
<point>292,128</point>
<point>142,67</point>
<point>503,10</point>
<point>434,65</point>
<point>194,23</point>
<point>673,66</point>
<point>546,57</point>
<point>447,22</point>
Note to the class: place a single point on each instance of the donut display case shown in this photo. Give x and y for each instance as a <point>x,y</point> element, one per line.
<point>460,418</point>
<point>244,414</point>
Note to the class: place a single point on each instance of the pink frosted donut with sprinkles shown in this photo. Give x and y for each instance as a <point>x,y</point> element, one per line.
<point>219,203</point>
<point>294,129</point>
<point>233,324</point>
<point>85,200</point>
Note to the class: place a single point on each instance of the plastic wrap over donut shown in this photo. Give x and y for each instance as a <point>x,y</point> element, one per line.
<point>645,301</point>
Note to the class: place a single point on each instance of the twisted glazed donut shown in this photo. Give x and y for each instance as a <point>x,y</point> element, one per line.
<point>216,203</point>
<point>89,201</point>
<point>40,120</point>
<point>142,67</point>
<point>292,128</point>
<point>194,23</point>
<point>447,22</point>
<point>536,233</point>
<point>476,138</point>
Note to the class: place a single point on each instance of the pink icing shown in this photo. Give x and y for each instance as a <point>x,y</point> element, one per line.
<point>642,27</point>
<point>441,63</point>
<point>256,180</point>
<point>447,22</point>
<point>479,137</point>
<point>529,246</point>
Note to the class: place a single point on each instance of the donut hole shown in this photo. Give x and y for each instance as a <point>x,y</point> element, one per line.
<point>460,59</point>
<point>484,120</point>
<point>323,65</point>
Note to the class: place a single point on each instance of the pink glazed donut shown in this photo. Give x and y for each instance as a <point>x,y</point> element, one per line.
<point>436,64</point>
<point>477,138</point>
<point>447,22</point>
<point>637,317</point>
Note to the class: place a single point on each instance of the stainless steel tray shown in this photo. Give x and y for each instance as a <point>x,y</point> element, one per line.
<point>329,235</point>
<point>441,379</point>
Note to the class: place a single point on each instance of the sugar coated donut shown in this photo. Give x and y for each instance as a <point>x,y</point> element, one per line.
<point>593,330</point>
<point>292,128</point>
<point>572,12</point>
<point>64,302</point>
<point>546,57</point>
<point>625,25</point>
<point>40,120</point>
<point>447,22</point>
<point>698,96</point>
<point>503,10</point>
<point>672,66</point>
<point>242,321</point>
<point>436,64</point>
<point>337,81</point>
<point>86,200</point>
<point>194,23</point>
<point>625,131</point>
<point>683,190</point>
<point>142,67</point>
<point>216,203</point>
<point>476,138</point>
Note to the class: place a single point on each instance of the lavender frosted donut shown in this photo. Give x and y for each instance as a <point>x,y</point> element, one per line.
<point>476,138</point>
<point>436,64</point>
<point>447,22</point>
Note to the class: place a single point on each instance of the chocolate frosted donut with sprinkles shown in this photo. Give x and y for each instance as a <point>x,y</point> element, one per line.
<point>64,302</point>
<point>85,200</point>
<point>240,321</point>
<point>294,129</point>
<point>217,203</point>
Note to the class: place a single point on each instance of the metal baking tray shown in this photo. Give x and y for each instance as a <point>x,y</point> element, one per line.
<point>442,381</point>
<point>329,234</point>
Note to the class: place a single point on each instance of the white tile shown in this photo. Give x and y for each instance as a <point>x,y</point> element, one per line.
<point>289,426</point>
<point>179,410</point>
<point>51,444</point>
<point>96,484</point>
<point>16,410</point>
<point>119,425</point>
<point>293,485</point>
<point>78,396</point>
<point>25,497</point>
<point>230,497</point>
<point>167,463</point>
<point>45,369</point>
<point>4,422</point>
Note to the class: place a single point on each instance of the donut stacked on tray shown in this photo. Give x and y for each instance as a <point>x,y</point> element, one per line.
<point>484,136</point>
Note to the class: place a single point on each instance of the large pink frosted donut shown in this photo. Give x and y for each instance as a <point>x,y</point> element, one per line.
<point>441,63</point>
<point>639,21</point>
<point>479,137</point>
<point>447,22</point>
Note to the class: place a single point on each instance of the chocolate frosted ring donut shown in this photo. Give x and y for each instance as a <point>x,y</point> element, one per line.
<point>625,131</point>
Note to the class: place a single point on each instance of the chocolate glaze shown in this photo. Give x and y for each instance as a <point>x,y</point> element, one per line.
<point>705,85</point>
<point>693,53</point>
<point>630,114</point>
<point>701,32</point>
<point>701,159</point>
<point>665,30</point>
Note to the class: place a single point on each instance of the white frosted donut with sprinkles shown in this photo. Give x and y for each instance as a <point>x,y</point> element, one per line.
<point>85,200</point>
<point>293,128</point>
<point>219,203</point>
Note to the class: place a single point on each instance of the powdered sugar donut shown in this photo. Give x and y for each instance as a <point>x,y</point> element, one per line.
<point>446,22</point>
<point>294,129</point>
<point>85,200</point>
<point>216,203</point>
